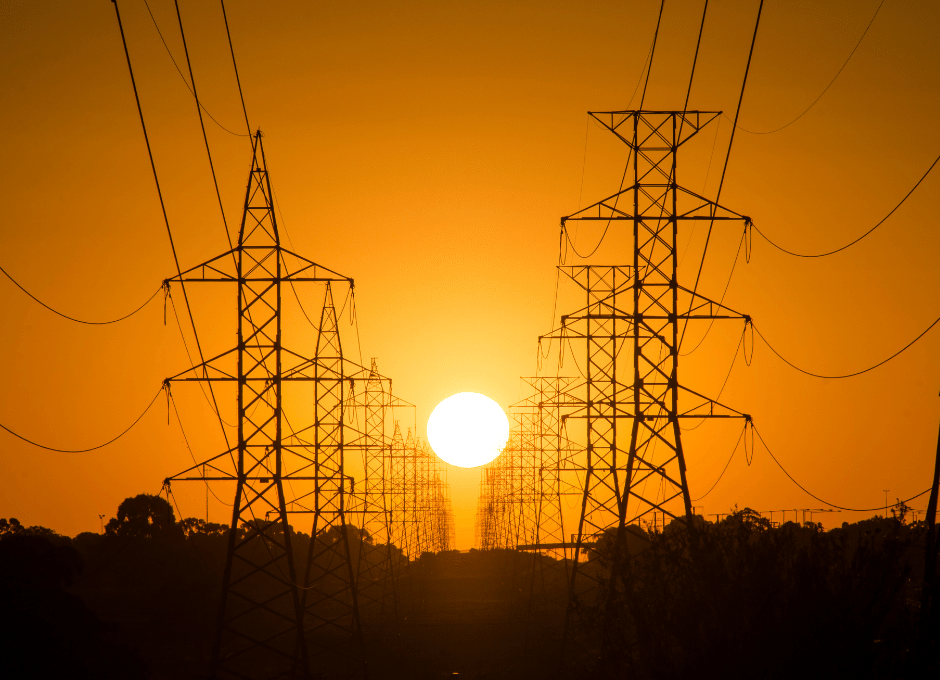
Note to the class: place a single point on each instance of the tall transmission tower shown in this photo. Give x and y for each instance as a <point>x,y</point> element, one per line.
<point>633,463</point>
<point>272,623</point>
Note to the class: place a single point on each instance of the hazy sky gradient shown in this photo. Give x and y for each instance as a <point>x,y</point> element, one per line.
<point>428,150</point>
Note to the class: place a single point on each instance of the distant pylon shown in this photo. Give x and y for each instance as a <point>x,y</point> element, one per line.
<point>329,595</point>
<point>375,563</point>
<point>633,463</point>
<point>551,399</point>
<point>549,403</point>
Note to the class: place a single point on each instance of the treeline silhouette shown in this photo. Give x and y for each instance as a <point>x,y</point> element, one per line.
<point>739,598</point>
<point>742,598</point>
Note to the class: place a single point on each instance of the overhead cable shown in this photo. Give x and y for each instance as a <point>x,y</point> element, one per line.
<point>649,68</point>
<point>209,400</point>
<point>202,125</point>
<point>724,169</point>
<point>832,505</point>
<point>191,89</point>
<point>848,245</point>
<point>838,73</point>
<point>235,66</point>
<point>720,302</point>
<point>71,318</point>
<point>685,108</point>
<point>189,448</point>
<point>847,375</point>
<point>725,468</point>
<point>93,448</point>
<point>698,43</point>
<point>724,383</point>
<point>166,219</point>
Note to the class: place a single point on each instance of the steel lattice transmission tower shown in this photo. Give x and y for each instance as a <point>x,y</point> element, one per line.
<point>633,401</point>
<point>273,623</point>
<point>376,558</point>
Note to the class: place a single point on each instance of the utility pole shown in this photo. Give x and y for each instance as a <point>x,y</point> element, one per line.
<point>633,463</point>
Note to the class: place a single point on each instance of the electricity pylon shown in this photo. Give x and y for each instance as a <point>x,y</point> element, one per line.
<point>548,404</point>
<point>375,561</point>
<point>633,462</point>
<point>271,624</point>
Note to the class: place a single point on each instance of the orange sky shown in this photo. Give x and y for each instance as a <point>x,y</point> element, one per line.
<point>428,150</point>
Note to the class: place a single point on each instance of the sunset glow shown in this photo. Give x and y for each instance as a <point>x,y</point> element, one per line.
<point>468,429</point>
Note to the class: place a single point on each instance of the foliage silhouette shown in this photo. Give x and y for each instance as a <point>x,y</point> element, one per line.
<point>752,601</point>
<point>747,599</point>
<point>45,631</point>
<point>143,516</point>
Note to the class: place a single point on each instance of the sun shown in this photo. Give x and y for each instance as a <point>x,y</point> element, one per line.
<point>468,429</point>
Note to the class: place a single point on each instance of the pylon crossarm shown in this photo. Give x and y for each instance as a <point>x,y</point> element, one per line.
<point>607,272</point>
<point>615,315</point>
<point>714,408</point>
<point>206,366</point>
<point>595,211</point>
<point>210,270</point>
<point>302,265</point>
<point>691,122</point>
<point>586,410</point>
<point>220,269</point>
<point>329,368</point>
<point>716,211</point>
<point>205,463</point>
<point>715,310</point>
<point>646,333</point>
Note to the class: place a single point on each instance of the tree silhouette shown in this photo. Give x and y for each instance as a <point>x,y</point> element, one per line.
<point>143,516</point>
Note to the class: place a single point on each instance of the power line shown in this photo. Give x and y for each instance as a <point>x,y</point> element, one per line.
<point>838,73</point>
<point>93,448</point>
<point>725,468</point>
<point>698,43</point>
<point>189,448</point>
<point>191,89</point>
<point>71,318</point>
<point>724,169</point>
<point>649,69</point>
<point>882,221</point>
<point>192,364</point>
<point>807,491</point>
<point>166,219</point>
<point>685,107</point>
<point>724,383</point>
<point>202,125</point>
<point>649,64</point>
<point>646,62</point>
<point>847,375</point>
<point>235,65</point>
<point>721,301</point>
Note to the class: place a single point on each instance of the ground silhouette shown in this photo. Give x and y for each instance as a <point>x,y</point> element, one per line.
<point>740,598</point>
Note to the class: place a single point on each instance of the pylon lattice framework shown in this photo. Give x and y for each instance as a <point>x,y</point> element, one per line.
<point>271,623</point>
<point>633,462</point>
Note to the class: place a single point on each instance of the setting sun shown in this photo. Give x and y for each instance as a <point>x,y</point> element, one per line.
<point>468,429</point>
